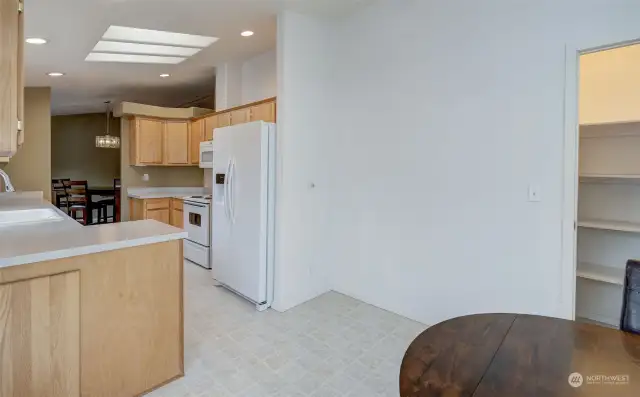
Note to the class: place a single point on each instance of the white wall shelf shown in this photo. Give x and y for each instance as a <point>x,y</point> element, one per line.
<point>619,226</point>
<point>606,274</point>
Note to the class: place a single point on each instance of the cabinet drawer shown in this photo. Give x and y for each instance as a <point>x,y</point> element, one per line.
<point>178,204</point>
<point>157,204</point>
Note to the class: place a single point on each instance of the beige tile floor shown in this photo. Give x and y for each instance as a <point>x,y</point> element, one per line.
<point>330,346</point>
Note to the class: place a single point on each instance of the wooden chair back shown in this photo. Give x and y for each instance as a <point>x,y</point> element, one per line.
<point>77,191</point>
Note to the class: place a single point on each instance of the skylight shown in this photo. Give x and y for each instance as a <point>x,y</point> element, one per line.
<point>135,45</point>
<point>131,58</point>
<point>136,35</point>
<point>148,49</point>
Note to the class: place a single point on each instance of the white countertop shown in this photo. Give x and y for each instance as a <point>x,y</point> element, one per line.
<point>37,242</point>
<point>164,192</point>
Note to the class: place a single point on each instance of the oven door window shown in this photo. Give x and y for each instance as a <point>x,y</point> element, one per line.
<point>195,219</point>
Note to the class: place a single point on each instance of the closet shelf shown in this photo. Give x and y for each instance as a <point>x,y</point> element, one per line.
<point>621,226</point>
<point>610,178</point>
<point>606,274</point>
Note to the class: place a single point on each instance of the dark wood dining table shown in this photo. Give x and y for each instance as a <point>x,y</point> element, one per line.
<point>516,355</point>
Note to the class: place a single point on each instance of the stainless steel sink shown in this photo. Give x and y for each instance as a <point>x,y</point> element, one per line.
<point>18,217</point>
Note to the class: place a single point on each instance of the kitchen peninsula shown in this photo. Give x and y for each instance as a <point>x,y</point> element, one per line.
<point>87,311</point>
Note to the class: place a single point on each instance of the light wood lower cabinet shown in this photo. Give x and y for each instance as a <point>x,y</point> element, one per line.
<point>40,336</point>
<point>105,324</point>
<point>165,210</point>
<point>177,213</point>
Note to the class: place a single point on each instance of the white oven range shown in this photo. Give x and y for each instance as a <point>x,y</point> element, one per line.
<point>197,246</point>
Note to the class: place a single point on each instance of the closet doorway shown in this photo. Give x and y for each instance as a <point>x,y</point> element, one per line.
<point>606,227</point>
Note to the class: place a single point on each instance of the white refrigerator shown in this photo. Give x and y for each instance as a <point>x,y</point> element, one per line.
<point>243,210</point>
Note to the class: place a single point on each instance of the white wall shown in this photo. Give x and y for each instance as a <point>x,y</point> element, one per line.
<point>445,112</point>
<point>259,77</point>
<point>303,101</point>
<point>228,85</point>
<point>245,81</point>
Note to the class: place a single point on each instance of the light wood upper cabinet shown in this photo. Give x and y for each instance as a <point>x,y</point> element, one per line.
<point>166,142</point>
<point>265,112</point>
<point>146,141</point>
<point>210,123</point>
<point>160,142</point>
<point>197,136</point>
<point>224,120</point>
<point>40,336</point>
<point>240,116</point>
<point>11,77</point>
<point>176,143</point>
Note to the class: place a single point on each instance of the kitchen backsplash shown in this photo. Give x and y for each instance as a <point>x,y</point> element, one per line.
<point>208,180</point>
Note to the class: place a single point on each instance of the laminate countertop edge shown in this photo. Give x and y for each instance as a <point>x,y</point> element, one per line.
<point>93,248</point>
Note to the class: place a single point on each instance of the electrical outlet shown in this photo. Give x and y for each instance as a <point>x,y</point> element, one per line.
<point>145,177</point>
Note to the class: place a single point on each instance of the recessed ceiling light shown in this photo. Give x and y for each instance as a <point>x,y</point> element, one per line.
<point>136,35</point>
<point>165,75</point>
<point>55,74</point>
<point>36,40</point>
<point>150,49</point>
<point>131,58</point>
<point>247,33</point>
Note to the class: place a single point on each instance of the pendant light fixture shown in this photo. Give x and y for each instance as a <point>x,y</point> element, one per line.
<point>108,141</point>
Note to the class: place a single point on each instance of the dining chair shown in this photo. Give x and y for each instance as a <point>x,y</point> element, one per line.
<point>110,201</point>
<point>630,318</point>
<point>58,193</point>
<point>77,199</point>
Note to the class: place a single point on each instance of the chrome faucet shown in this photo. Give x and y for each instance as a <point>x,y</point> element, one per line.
<point>8,187</point>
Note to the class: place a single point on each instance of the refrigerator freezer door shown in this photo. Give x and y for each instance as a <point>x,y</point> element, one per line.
<point>248,182</point>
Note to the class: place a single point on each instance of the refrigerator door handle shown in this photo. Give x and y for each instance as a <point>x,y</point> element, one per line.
<point>232,191</point>
<point>226,189</point>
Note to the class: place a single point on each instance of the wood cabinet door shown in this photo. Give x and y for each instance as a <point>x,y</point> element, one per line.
<point>224,119</point>
<point>240,116</point>
<point>10,75</point>
<point>210,123</point>
<point>265,112</point>
<point>162,215</point>
<point>149,141</point>
<point>197,136</point>
<point>40,336</point>
<point>177,218</point>
<point>176,144</point>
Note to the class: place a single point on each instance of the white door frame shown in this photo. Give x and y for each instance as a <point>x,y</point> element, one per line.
<point>570,175</point>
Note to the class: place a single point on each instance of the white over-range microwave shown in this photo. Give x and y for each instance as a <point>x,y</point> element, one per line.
<point>206,154</point>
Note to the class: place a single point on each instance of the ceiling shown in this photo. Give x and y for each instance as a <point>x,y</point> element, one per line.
<point>73,27</point>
